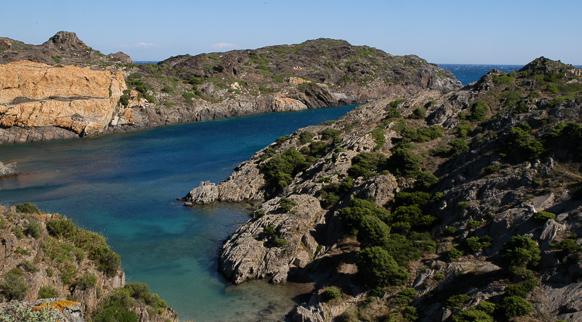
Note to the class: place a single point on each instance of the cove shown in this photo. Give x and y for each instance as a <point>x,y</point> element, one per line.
<point>125,186</point>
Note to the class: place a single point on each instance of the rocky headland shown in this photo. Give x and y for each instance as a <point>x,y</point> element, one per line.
<point>64,89</point>
<point>423,205</point>
<point>52,270</point>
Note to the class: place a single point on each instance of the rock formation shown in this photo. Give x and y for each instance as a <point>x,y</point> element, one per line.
<point>52,270</point>
<point>455,206</point>
<point>36,95</point>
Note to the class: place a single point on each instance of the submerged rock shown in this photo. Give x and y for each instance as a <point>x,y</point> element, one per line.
<point>7,169</point>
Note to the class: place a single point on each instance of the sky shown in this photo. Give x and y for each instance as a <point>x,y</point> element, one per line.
<point>453,31</point>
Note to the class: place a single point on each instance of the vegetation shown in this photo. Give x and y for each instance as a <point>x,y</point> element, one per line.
<point>522,145</point>
<point>378,268</point>
<point>280,170</point>
<point>521,251</point>
<point>543,216</point>
<point>14,285</point>
<point>118,306</point>
<point>331,293</point>
<point>367,164</point>
<point>27,208</point>
<point>47,292</point>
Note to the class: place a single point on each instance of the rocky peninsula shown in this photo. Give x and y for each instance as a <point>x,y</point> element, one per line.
<point>52,270</point>
<point>65,89</point>
<point>423,205</point>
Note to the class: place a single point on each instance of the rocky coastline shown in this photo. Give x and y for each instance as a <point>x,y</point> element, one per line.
<point>425,179</point>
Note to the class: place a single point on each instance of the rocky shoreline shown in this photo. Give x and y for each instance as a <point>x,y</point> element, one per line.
<point>86,93</point>
<point>486,160</point>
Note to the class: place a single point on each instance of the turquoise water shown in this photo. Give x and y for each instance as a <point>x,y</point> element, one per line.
<point>125,186</point>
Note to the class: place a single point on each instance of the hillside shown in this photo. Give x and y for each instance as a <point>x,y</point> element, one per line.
<point>65,89</point>
<point>457,206</point>
<point>51,270</point>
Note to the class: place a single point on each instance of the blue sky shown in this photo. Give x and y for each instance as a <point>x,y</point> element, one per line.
<point>504,32</point>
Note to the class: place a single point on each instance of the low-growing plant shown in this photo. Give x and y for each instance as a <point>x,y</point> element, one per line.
<point>331,293</point>
<point>378,268</point>
<point>14,285</point>
<point>47,292</point>
<point>543,216</point>
<point>514,306</point>
<point>521,251</point>
<point>28,208</point>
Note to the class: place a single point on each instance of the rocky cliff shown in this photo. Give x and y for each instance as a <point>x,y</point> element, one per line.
<point>56,102</point>
<point>64,89</point>
<point>458,206</point>
<point>52,270</point>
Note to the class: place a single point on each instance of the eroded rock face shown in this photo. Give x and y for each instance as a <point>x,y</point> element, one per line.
<point>36,95</point>
<point>272,245</point>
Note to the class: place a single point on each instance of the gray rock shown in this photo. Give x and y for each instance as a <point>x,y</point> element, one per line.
<point>7,169</point>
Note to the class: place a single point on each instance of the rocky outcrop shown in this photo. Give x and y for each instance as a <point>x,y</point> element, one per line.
<point>275,243</point>
<point>62,48</point>
<point>39,96</point>
<point>489,166</point>
<point>62,272</point>
<point>7,170</point>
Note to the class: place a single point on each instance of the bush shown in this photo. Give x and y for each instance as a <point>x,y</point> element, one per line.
<point>513,306</point>
<point>476,244</point>
<point>27,208</point>
<point>33,229</point>
<point>47,292</point>
<point>478,112</point>
<point>379,269</point>
<point>419,198</point>
<point>280,170</point>
<point>404,162</point>
<point>61,228</point>
<point>330,293</point>
<point>458,301</point>
<point>330,134</point>
<point>458,147</point>
<point>286,205</point>
<point>402,249</point>
<point>452,254</point>
<point>425,180</point>
<point>421,134</point>
<point>521,251</point>
<point>419,113</point>
<point>379,139</point>
<point>366,164</point>
<point>564,140</point>
<point>543,216</point>
<point>358,209</point>
<point>521,145</point>
<point>306,137</point>
<point>473,315</point>
<point>28,266</point>
<point>14,285</point>
<point>372,231</point>
<point>85,282</point>
<point>117,307</point>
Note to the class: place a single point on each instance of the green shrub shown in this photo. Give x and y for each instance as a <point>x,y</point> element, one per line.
<point>476,244</point>
<point>27,208</point>
<point>402,248</point>
<point>379,139</point>
<point>61,228</point>
<point>419,198</point>
<point>491,169</point>
<point>425,180</point>
<point>366,164</point>
<point>85,282</point>
<point>564,140</point>
<point>521,251</point>
<point>286,205</point>
<point>523,288</point>
<point>521,145</point>
<point>472,315</point>
<point>478,111</point>
<point>543,216</point>
<point>419,113</point>
<point>14,285</point>
<point>452,254</point>
<point>458,147</point>
<point>188,96</point>
<point>514,306</point>
<point>331,293</point>
<point>33,229</point>
<point>273,237</point>
<point>280,170</point>
<point>404,162</point>
<point>379,269</point>
<point>421,134</point>
<point>47,292</point>
<point>124,98</point>
<point>372,231</point>
<point>463,129</point>
<point>458,301</point>
<point>306,137</point>
<point>330,134</point>
<point>413,216</point>
<point>353,215</point>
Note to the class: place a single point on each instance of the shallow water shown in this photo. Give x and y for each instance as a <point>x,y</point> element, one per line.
<point>125,187</point>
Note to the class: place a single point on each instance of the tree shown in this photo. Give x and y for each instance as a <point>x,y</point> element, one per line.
<point>379,269</point>
<point>521,251</point>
